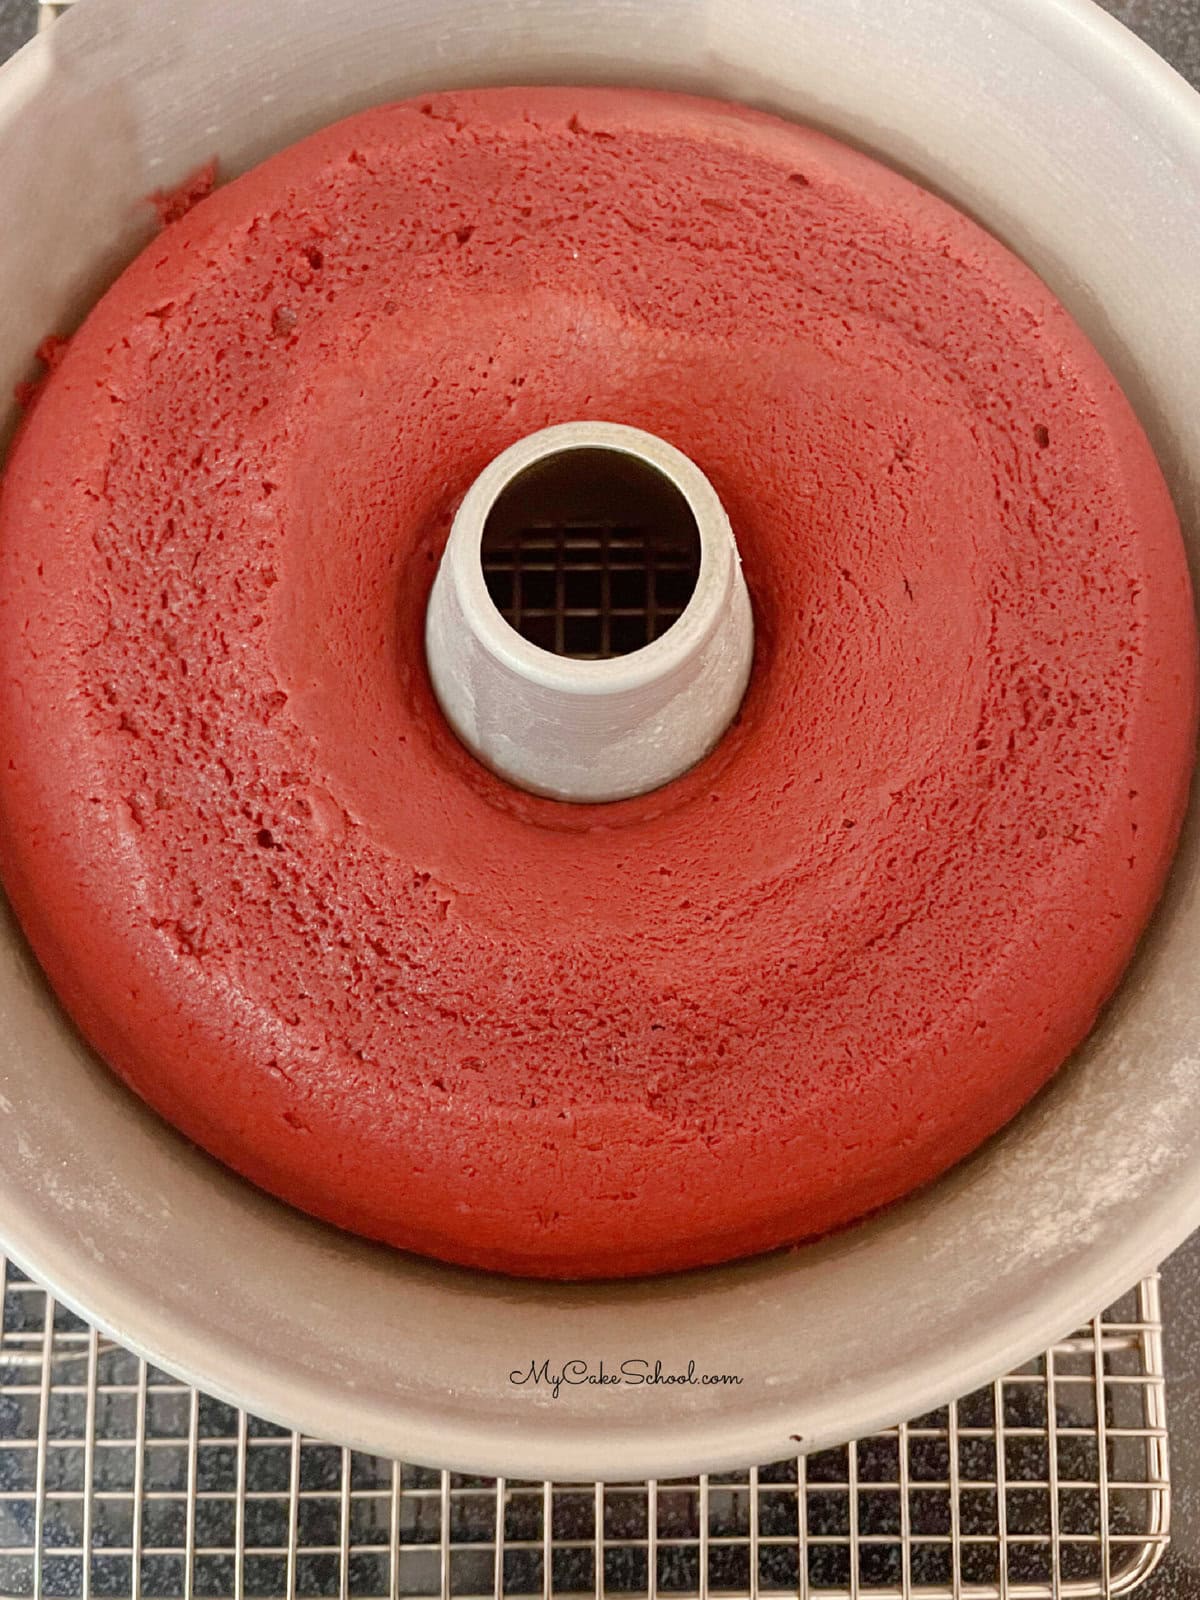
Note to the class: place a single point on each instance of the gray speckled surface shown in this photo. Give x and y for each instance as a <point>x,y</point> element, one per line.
<point>18,20</point>
<point>1178,1578</point>
<point>1172,27</point>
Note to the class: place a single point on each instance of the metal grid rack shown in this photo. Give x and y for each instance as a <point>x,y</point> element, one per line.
<point>116,1480</point>
<point>590,591</point>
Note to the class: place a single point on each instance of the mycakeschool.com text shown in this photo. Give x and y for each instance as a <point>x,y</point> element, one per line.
<point>632,1373</point>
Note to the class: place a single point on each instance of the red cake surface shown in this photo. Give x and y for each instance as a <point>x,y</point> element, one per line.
<point>298,918</point>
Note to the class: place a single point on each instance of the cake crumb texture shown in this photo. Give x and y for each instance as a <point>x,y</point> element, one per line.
<point>578,1041</point>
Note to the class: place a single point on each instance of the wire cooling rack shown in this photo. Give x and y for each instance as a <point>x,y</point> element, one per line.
<point>589,592</point>
<point>116,1480</point>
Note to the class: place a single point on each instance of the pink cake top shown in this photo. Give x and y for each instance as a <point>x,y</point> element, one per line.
<point>303,924</point>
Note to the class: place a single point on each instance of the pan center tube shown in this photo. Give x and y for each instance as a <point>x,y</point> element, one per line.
<point>589,633</point>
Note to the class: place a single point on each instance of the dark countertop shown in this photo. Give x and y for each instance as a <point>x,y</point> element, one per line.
<point>18,22</point>
<point>1178,1578</point>
<point>1172,27</point>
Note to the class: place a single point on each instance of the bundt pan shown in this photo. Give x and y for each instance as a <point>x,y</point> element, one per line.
<point>1081,150</point>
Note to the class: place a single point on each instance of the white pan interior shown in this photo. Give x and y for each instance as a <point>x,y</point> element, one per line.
<point>1082,151</point>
